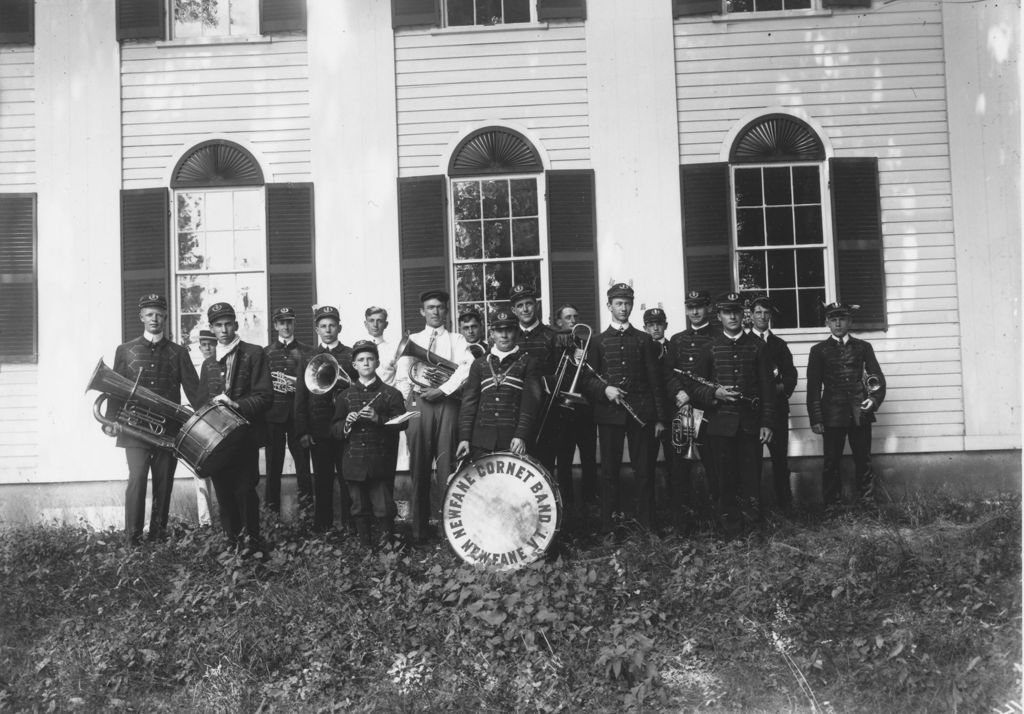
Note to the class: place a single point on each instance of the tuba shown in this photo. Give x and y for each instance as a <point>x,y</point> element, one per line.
<point>429,369</point>
<point>323,373</point>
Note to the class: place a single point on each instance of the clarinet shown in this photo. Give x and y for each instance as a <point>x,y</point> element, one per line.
<point>753,403</point>
<point>624,403</point>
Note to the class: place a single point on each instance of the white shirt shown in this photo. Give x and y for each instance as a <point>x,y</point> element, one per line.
<point>452,347</point>
<point>155,339</point>
<point>224,350</point>
<point>502,355</point>
<point>761,335</point>
<point>846,338</point>
<point>386,353</point>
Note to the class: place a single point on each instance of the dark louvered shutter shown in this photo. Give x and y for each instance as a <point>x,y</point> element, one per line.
<point>141,20</point>
<point>19,310</point>
<point>707,232</point>
<point>17,22</point>
<point>572,242</point>
<point>291,270</point>
<point>145,245</point>
<point>282,16</point>
<point>857,230</point>
<point>687,8</point>
<point>407,13</point>
<point>846,3</point>
<point>423,243</point>
<point>562,10</point>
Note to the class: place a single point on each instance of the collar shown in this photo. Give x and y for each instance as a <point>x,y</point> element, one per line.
<point>438,330</point>
<point>375,340</point>
<point>732,339</point>
<point>701,326</point>
<point>329,348</point>
<point>845,340</point>
<point>153,339</point>
<point>502,355</point>
<point>620,326</point>
<point>368,385</point>
<point>286,343</point>
<point>531,327</point>
<point>224,350</point>
<point>761,335</point>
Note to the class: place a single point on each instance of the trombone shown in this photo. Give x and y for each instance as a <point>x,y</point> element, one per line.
<point>569,399</point>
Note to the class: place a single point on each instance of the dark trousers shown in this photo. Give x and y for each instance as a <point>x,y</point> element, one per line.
<point>642,449</point>
<point>140,462</point>
<point>778,450</point>
<point>577,431</point>
<point>326,453</point>
<point>835,438</point>
<point>372,497</point>
<point>430,437</point>
<point>238,502</point>
<point>277,435</point>
<point>737,463</point>
<point>686,492</point>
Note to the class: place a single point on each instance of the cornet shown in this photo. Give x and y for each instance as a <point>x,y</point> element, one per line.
<point>684,433</point>
<point>283,383</point>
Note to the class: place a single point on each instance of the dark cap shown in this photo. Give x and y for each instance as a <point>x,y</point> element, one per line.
<point>502,318</point>
<point>373,310</point>
<point>434,295</point>
<point>521,291</point>
<point>655,316</point>
<point>323,311</point>
<point>620,290</point>
<point>207,335</point>
<point>153,300</point>
<point>284,313</point>
<point>218,311</point>
<point>471,314</point>
<point>840,309</point>
<point>729,301</point>
<point>365,346</point>
<point>763,301</point>
<point>698,297</point>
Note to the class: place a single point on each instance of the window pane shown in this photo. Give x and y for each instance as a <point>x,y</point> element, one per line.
<point>785,301</point>
<point>781,269</point>
<point>748,187</point>
<point>190,211</point>
<point>498,281</point>
<point>740,5</point>
<point>220,211</point>
<point>495,199</point>
<point>752,270</point>
<point>488,12</point>
<point>768,5</point>
<point>220,250</point>
<point>467,199</point>
<point>806,186</point>
<point>779,228</point>
<point>497,242</point>
<point>798,4</point>
<point>525,237</point>
<point>249,250</point>
<point>527,272</point>
<point>188,330</point>
<point>469,283</point>
<point>810,304</point>
<point>468,243</point>
<point>191,289</point>
<point>810,267</point>
<point>750,226</point>
<point>776,186</point>
<point>245,17</point>
<point>190,252</point>
<point>249,211</point>
<point>524,197</point>
<point>517,11</point>
<point>808,225</point>
<point>460,12</point>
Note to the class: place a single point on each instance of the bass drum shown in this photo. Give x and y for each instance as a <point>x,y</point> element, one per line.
<point>210,437</point>
<point>502,510</point>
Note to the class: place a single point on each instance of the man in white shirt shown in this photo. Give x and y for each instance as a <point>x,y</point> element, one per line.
<point>432,436</point>
<point>376,322</point>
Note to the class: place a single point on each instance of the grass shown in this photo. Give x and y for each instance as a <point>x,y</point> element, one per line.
<point>908,607</point>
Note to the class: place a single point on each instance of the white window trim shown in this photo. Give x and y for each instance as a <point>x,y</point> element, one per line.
<point>773,14</point>
<point>444,19</point>
<point>826,219</point>
<point>542,232</point>
<point>511,27</point>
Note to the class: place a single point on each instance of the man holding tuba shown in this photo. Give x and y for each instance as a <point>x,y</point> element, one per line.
<point>166,369</point>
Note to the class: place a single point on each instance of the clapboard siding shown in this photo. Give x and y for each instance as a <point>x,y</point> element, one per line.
<point>19,422</point>
<point>446,82</point>
<point>875,83</point>
<point>17,121</point>
<point>174,96</point>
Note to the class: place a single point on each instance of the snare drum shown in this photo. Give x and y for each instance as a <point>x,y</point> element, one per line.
<point>501,510</point>
<point>210,437</point>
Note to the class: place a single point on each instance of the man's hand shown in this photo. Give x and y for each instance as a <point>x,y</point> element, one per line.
<point>463,449</point>
<point>726,394</point>
<point>766,434</point>
<point>432,394</point>
<point>818,428</point>
<point>682,399</point>
<point>225,399</point>
<point>517,446</point>
<point>306,440</point>
<point>615,395</point>
<point>659,429</point>
<point>113,429</point>
<point>868,405</point>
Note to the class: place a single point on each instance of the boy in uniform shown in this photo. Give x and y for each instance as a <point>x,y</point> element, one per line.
<point>205,506</point>
<point>845,387</point>
<point>360,421</point>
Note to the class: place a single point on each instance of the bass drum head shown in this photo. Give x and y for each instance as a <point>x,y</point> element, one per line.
<point>209,439</point>
<point>502,511</point>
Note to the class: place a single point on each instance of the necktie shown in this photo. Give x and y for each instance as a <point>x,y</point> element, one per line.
<point>433,340</point>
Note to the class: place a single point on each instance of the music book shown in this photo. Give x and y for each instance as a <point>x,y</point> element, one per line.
<point>402,418</point>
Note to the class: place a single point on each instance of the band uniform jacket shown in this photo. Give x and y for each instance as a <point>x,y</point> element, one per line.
<point>744,366</point>
<point>314,412</point>
<point>541,343</point>
<point>500,401</point>
<point>783,375</point>
<point>627,359</point>
<point>250,385</point>
<point>681,356</point>
<point>287,360</point>
<point>835,382</point>
<point>365,449</point>
<point>166,370</point>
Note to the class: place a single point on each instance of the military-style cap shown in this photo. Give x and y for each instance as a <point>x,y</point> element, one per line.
<point>840,309</point>
<point>502,318</point>
<point>365,346</point>
<point>471,314</point>
<point>434,295</point>
<point>323,311</point>
<point>218,311</point>
<point>698,297</point>
<point>729,301</point>
<point>521,291</point>
<point>655,316</point>
<point>763,301</point>
<point>284,313</point>
<point>153,300</point>
<point>620,290</point>
<point>207,335</point>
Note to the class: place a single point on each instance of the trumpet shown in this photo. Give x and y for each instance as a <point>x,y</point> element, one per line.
<point>684,433</point>
<point>429,369</point>
<point>752,403</point>
<point>283,383</point>
<point>323,373</point>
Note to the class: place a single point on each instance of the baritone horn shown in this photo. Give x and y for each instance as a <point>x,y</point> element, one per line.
<point>322,374</point>
<point>429,369</point>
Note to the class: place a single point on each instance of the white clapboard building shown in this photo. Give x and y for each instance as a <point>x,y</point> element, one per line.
<point>356,152</point>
